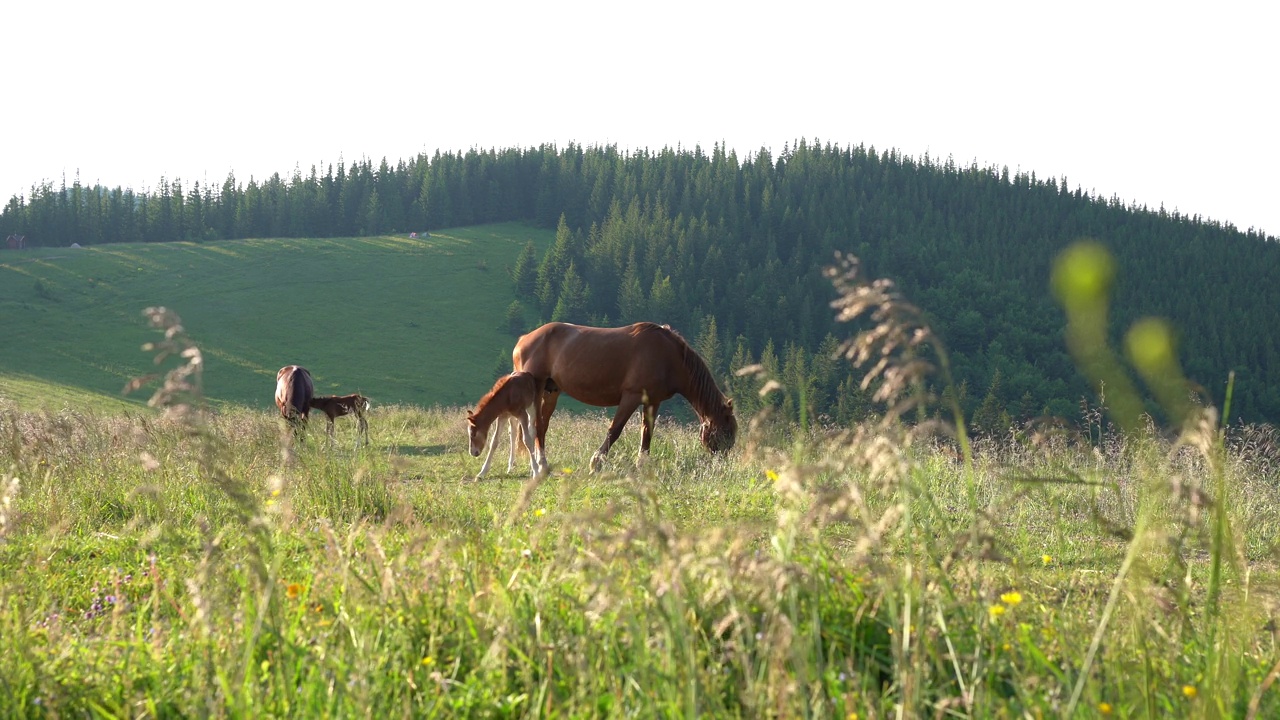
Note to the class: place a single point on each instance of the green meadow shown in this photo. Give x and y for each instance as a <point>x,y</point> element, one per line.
<point>198,561</point>
<point>401,320</point>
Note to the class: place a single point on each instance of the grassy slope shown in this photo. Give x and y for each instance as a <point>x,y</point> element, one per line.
<point>403,321</point>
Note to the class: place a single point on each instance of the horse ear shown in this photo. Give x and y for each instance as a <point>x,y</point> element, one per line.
<point>729,403</point>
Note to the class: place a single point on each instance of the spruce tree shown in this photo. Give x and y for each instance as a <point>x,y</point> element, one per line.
<point>525,273</point>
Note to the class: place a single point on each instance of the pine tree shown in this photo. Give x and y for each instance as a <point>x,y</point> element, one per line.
<point>525,273</point>
<point>743,389</point>
<point>708,344</point>
<point>552,270</point>
<point>769,366</point>
<point>573,305</point>
<point>632,304</point>
<point>987,418</point>
<point>515,318</point>
<point>662,299</point>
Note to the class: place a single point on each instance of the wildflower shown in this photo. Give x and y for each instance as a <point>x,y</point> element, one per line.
<point>275,492</point>
<point>1104,708</point>
<point>1011,598</point>
<point>1046,559</point>
<point>527,553</point>
<point>428,661</point>
<point>1189,690</point>
<point>567,471</point>
<point>995,611</point>
<point>293,590</point>
<point>773,476</point>
<point>539,512</point>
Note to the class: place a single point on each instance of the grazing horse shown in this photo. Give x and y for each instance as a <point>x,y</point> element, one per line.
<point>294,391</point>
<point>513,398</point>
<point>638,365</point>
<point>335,406</point>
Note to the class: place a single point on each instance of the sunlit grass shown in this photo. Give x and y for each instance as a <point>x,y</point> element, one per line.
<point>392,582</point>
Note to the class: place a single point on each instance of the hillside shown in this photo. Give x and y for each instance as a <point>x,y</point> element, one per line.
<point>730,251</point>
<point>416,321</point>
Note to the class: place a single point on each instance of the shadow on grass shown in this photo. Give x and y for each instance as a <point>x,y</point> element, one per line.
<point>421,450</point>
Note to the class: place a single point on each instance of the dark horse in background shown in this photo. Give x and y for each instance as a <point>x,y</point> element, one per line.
<point>336,406</point>
<point>639,365</point>
<point>294,390</point>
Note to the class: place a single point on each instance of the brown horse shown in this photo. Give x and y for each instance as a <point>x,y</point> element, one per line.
<point>512,398</point>
<point>629,367</point>
<point>335,406</point>
<point>294,391</point>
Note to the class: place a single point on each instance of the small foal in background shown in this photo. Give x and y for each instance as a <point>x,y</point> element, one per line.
<point>512,398</point>
<point>335,406</point>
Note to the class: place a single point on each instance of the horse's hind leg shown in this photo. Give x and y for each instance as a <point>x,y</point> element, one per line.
<point>512,421</point>
<point>527,423</point>
<point>648,416</point>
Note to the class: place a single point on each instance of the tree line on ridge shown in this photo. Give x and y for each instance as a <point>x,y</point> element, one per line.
<point>729,250</point>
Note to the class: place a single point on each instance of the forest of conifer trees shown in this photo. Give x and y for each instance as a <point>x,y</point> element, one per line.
<point>730,251</point>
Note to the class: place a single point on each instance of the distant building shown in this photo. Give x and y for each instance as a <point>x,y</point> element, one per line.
<point>16,242</point>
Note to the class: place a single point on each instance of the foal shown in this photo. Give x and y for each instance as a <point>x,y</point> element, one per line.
<point>335,406</point>
<point>512,398</point>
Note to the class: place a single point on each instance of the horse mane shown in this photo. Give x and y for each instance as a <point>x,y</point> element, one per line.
<point>704,394</point>
<point>498,386</point>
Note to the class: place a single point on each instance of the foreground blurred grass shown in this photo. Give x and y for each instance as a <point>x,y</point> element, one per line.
<point>149,569</point>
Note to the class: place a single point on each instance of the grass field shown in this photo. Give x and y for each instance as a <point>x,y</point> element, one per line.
<point>187,563</point>
<point>402,321</point>
<point>187,567</point>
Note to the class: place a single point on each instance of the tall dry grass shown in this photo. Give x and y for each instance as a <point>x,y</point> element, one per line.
<point>192,563</point>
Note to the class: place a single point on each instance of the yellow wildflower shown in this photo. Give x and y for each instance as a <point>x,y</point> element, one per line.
<point>1189,690</point>
<point>293,590</point>
<point>1011,598</point>
<point>995,611</point>
<point>1104,708</point>
<point>1046,559</point>
<point>428,661</point>
<point>539,512</point>
<point>773,476</point>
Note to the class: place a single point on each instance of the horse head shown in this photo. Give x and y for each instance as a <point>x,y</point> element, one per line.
<point>475,434</point>
<point>720,430</point>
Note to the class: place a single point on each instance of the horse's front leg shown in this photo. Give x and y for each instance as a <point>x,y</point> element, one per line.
<point>626,408</point>
<point>546,406</point>
<point>493,443</point>
<point>527,423</point>
<point>363,428</point>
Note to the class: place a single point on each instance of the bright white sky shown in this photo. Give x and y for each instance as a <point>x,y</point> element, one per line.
<point>1151,102</point>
